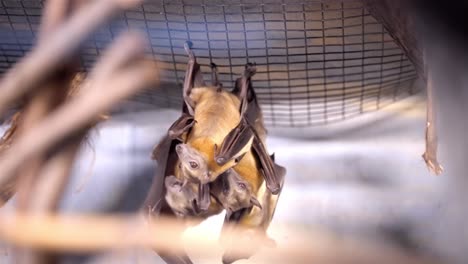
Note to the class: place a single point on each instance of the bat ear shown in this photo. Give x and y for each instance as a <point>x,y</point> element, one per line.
<point>255,202</point>
<point>172,182</point>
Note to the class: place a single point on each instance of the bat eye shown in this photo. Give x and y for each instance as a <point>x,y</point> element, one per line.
<point>242,185</point>
<point>193,164</point>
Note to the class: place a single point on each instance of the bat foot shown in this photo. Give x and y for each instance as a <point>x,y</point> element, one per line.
<point>219,87</point>
<point>188,45</point>
<point>250,69</point>
<point>188,49</point>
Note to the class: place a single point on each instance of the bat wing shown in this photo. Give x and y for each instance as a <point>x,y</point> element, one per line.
<point>203,197</point>
<point>234,142</point>
<point>272,173</point>
<point>241,135</point>
<point>181,126</point>
<point>155,204</point>
<point>164,155</point>
<point>166,158</point>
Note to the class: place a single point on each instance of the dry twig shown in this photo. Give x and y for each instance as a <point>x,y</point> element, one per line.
<point>108,85</point>
<point>79,233</point>
<point>430,155</point>
<point>59,48</point>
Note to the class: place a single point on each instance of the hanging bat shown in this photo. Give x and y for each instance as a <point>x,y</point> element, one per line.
<point>233,192</point>
<point>182,198</point>
<point>193,168</point>
<point>210,118</point>
<point>222,119</point>
<point>255,219</point>
<point>204,127</point>
<point>250,132</point>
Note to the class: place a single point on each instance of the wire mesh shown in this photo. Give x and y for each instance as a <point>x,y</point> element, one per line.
<point>318,62</point>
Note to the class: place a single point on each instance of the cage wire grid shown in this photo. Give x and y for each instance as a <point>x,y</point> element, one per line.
<point>318,62</point>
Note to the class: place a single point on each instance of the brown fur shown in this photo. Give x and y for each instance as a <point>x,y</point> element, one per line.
<point>216,114</point>
<point>215,207</point>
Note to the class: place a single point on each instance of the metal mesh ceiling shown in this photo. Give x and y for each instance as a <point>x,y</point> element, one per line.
<point>318,61</point>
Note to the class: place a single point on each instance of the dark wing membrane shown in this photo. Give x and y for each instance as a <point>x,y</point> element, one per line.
<point>181,126</point>
<point>203,197</point>
<point>193,78</point>
<point>155,204</point>
<point>162,155</point>
<point>240,136</point>
<point>253,110</point>
<point>166,158</point>
<point>234,142</point>
<point>267,166</point>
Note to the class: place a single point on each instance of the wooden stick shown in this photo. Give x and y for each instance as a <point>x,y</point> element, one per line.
<point>53,178</point>
<point>81,111</point>
<point>60,47</point>
<point>52,94</point>
<point>80,233</point>
<point>430,155</point>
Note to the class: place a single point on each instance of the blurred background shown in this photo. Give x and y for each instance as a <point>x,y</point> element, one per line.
<point>343,105</point>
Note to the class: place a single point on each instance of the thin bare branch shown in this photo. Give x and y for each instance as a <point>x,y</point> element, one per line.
<point>102,93</point>
<point>430,155</point>
<point>52,179</point>
<point>79,233</point>
<point>60,47</point>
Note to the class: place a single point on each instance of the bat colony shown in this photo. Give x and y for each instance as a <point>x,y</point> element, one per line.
<point>214,157</point>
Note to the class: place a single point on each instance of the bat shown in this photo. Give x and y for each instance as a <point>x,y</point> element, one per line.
<point>215,124</point>
<point>233,192</point>
<point>193,168</point>
<point>249,131</point>
<point>195,127</point>
<point>255,219</point>
<point>182,198</point>
<point>165,153</point>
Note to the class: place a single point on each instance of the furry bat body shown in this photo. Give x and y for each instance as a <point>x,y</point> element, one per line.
<point>233,192</point>
<point>182,198</point>
<point>184,201</point>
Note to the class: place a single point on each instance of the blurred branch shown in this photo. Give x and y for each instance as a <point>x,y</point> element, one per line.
<point>80,233</point>
<point>52,179</point>
<point>108,85</point>
<point>51,94</point>
<point>430,155</point>
<point>59,47</point>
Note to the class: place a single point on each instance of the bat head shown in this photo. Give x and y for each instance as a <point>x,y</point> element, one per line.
<point>234,192</point>
<point>202,150</point>
<point>182,198</point>
<point>194,163</point>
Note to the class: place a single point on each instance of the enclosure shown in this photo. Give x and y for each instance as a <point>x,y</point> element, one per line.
<point>343,88</point>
